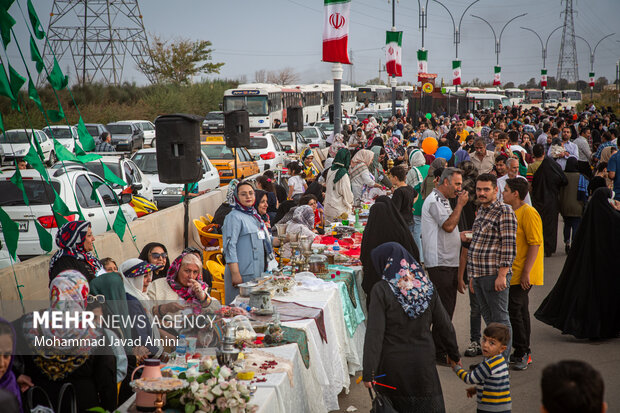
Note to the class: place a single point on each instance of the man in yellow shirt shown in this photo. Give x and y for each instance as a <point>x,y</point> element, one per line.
<point>460,132</point>
<point>527,268</point>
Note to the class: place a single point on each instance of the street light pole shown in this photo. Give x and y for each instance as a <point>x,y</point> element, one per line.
<point>592,56</point>
<point>457,30</point>
<point>393,79</point>
<point>544,54</point>
<point>498,41</point>
<point>422,19</point>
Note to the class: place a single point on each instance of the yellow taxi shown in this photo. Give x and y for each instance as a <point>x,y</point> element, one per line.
<point>223,158</point>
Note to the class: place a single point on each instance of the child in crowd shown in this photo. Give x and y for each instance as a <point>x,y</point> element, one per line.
<point>491,376</point>
<point>109,265</point>
<point>296,183</point>
<point>571,386</point>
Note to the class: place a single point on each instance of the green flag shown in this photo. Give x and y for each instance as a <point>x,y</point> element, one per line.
<point>56,115</point>
<point>86,139</point>
<point>56,78</point>
<point>34,20</point>
<point>119,223</point>
<point>34,95</point>
<point>83,156</point>
<point>6,4</point>
<point>110,177</point>
<point>32,157</point>
<point>63,153</point>
<point>1,124</point>
<point>35,55</point>
<point>6,24</point>
<point>10,230</point>
<point>60,210</point>
<point>17,81</point>
<point>17,180</point>
<point>5,86</point>
<point>93,193</point>
<point>45,238</point>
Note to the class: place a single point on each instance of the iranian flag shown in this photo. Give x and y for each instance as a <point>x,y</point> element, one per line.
<point>336,31</point>
<point>393,48</point>
<point>456,72</point>
<point>422,62</point>
<point>543,78</point>
<point>591,75</point>
<point>497,77</point>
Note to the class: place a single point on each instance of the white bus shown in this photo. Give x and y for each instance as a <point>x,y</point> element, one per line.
<point>264,103</point>
<point>348,98</point>
<point>402,97</point>
<point>478,101</point>
<point>374,97</point>
<point>553,94</point>
<point>496,90</point>
<point>571,95</point>
<point>515,95</point>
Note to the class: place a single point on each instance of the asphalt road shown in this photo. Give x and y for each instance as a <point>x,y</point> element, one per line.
<point>548,346</point>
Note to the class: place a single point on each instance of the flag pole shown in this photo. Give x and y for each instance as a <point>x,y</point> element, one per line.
<point>393,79</point>
<point>337,76</point>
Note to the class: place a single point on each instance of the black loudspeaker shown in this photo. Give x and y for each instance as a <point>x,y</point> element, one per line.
<point>295,121</point>
<point>237,128</point>
<point>331,113</point>
<point>178,148</point>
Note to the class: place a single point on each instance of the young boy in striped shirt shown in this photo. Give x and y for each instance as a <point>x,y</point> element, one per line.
<point>491,376</point>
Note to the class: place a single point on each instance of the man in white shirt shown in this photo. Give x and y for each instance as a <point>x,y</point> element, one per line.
<point>442,242</point>
<point>570,149</point>
<point>512,171</point>
<point>585,153</point>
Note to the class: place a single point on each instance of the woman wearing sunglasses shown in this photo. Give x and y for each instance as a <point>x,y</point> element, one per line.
<point>156,253</point>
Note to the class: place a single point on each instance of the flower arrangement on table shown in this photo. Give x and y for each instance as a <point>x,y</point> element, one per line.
<point>214,390</point>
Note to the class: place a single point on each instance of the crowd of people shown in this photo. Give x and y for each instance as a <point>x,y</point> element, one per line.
<point>477,214</point>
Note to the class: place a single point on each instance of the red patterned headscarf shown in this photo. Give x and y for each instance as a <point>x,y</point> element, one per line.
<point>185,293</point>
<point>70,240</point>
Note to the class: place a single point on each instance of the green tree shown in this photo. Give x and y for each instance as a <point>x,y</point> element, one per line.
<point>509,85</point>
<point>177,61</point>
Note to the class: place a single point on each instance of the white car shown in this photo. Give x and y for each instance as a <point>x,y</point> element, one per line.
<point>170,194</point>
<point>149,131</point>
<point>315,136</point>
<point>16,144</point>
<point>73,186</point>
<point>65,135</point>
<point>286,139</point>
<point>122,167</point>
<point>269,150</point>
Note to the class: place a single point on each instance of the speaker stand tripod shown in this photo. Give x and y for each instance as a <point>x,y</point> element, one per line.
<point>186,216</point>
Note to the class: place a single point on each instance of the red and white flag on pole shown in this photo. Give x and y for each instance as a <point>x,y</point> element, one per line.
<point>543,78</point>
<point>336,31</point>
<point>497,76</point>
<point>393,49</point>
<point>592,81</point>
<point>456,72</point>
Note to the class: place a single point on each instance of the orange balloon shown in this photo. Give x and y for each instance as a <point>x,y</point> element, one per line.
<point>429,145</point>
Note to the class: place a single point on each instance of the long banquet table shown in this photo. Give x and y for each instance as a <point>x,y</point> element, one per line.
<point>316,388</point>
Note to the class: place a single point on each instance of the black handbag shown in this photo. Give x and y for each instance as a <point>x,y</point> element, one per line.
<point>380,402</point>
<point>49,408</point>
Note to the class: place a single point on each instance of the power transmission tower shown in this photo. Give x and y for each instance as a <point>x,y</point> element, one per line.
<point>98,35</point>
<point>567,63</point>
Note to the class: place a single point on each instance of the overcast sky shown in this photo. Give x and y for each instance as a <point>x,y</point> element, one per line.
<point>249,35</point>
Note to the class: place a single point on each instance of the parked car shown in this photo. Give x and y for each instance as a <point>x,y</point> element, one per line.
<point>223,159</point>
<point>270,152</point>
<point>74,187</point>
<point>122,167</point>
<point>15,143</point>
<point>326,127</point>
<point>214,122</point>
<point>95,129</point>
<point>148,128</point>
<point>67,136</point>
<point>315,136</point>
<point>126,135</point>
<point>286,139</point>
<point>170,194</point>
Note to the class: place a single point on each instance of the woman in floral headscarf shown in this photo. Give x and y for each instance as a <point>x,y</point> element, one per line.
<point>403,306</point>
<point>75,242</point>
<point>302,224</point>
<point>90,369</point>
<point>336,145</point>
<point>226,207</point>
<point>360,173</point>
<point>308,167</point>
<point>183,282</point>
